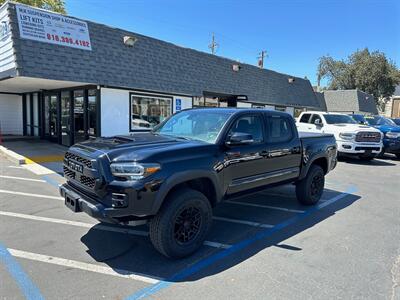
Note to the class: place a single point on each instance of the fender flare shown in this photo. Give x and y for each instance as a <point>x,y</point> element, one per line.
<point>182,177</point>
<point>307,165</point>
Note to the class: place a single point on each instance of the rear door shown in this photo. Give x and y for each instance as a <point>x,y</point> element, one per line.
<point>303,123</point>
<point>283,148</point>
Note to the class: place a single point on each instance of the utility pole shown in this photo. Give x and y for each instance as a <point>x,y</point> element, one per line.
<point>263,54</point>
<point>214,45</point>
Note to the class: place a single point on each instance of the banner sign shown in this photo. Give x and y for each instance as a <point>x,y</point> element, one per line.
<point>39,25</point>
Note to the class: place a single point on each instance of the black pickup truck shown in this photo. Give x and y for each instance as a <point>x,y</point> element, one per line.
<point>174,175</point>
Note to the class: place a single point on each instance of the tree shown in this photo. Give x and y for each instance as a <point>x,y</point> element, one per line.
<point>53,5</point>
<point>368,71</point>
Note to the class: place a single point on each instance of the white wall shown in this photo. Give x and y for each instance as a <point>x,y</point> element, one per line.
<point>186,102</point>
<point>290,110</point>
<point>7,60</point>
<point>114,112</point>
<point>11,114</point>
<point>115,109</point>
<point>243,104</point>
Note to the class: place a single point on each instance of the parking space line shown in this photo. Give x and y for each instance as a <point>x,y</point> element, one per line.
<point>212,259</point>
<point>28,288</point>
<point>30,195</point>
<point>98,227</point>
<point>22,178</point>
<point>265,206</point>
<point>244,222</point>
<point>83,266</point>
<point>15,167</point>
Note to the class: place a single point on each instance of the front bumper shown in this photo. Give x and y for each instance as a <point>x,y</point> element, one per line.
<point>351,147</point>
<point>391,145</point>
<point>137,205</point>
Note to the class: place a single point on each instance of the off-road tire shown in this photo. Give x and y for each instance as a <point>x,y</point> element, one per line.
<point>163,226</point>
<point>398,155</point>
<point>309,190</point>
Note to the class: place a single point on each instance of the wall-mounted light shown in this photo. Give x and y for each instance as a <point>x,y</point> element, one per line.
<point>236,67</point>
<point>130,40</point>
<point>290,79</point>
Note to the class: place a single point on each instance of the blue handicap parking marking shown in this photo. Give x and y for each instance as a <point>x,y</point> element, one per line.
<point>28,288</point>
<point>178,104</point>
<point>207,261</point>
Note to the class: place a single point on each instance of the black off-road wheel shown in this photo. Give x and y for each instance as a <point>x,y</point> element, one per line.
<point>309,190</point>
<point>398,155</point>
<point>181,225</point>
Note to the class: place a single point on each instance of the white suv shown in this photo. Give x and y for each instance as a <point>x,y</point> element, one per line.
<point>351,138</point>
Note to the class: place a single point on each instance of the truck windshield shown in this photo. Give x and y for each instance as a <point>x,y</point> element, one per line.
<point>380,121</point>
<point>197,124</point>
<point>339,119</point>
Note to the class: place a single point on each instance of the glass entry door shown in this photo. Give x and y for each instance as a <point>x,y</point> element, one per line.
<point>66,134</point>
<point>51,117</point>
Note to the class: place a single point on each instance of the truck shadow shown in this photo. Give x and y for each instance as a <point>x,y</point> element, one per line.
<point>373,163</point>
<point>127,253</point>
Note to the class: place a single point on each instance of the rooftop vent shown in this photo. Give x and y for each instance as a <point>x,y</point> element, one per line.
<point>130,40</point>
<point>236,67</point>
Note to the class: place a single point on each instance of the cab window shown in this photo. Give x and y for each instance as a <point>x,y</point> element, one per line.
<point>304,118</point>
<point>279,129</point>
<point>250,125</point>
<point>315,118</point>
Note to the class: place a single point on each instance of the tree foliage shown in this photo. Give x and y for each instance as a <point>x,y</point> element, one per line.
<point>368,71</point>
<point>53,5</point>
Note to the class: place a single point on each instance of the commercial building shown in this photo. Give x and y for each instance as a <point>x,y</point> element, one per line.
<point>392,105</point>
<point>347,101</point>
<point>66,79</point>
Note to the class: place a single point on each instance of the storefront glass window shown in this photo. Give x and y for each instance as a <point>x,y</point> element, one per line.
<point>298,111</point>
<point>79,122</point>
<point>148,111</point>
<point>280,108</point>
<point>92,113</point>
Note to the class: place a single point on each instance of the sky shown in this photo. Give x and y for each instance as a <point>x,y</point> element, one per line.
<point>295,33</point>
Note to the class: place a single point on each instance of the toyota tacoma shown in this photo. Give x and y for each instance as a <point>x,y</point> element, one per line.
<point>174,175</point>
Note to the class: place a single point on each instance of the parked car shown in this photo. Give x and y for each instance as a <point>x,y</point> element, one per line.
<point>397,121</point>
<point>391,131</point>
<point>351,138</point>
<point>174,175</point>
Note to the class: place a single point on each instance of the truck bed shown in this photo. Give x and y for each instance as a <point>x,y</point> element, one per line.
<point>303,135</point>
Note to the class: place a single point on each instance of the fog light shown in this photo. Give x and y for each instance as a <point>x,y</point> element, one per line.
<point>346,146</point>
<point>119,200</point>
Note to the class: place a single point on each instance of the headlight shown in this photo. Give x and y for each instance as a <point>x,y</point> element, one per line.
<point>347,135</point>
<point>392,135</point>
<point>133,170</point>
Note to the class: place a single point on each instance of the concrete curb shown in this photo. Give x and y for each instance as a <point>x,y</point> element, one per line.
<point>14,157</point>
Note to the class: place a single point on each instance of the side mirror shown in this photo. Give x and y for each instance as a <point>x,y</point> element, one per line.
<point>240,138</point>
<point>318,122</point>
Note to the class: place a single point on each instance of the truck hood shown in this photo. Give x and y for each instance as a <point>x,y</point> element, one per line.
<point>135,147</point>
<point>338,128</point>
<point>387,128</point>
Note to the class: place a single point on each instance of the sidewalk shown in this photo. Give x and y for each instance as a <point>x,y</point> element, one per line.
<point>40,156</point>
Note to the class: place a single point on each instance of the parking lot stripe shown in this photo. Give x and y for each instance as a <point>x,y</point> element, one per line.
<point>30,195</point>
<point>28,288</point>
<point>244,222</point>
<point>15,167</point>
<point>210,260</point>
<point>83,266</point>
<point>98,227</point>
<point>22,178</point>
<point>265,206</point>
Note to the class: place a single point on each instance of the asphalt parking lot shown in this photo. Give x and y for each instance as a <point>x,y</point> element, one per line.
<point>260,247</point>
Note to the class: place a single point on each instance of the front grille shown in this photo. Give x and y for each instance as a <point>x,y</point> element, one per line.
<point>68,173</point>
<point>88,181</point>
<point>79,159</point>
<point>371,137</point>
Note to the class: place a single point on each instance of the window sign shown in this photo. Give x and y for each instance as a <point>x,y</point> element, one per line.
<point>43,26</point>
<point>178,104</point>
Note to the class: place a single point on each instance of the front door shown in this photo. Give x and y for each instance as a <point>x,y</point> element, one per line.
<point>51,130</point>
<point>245,165</point>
